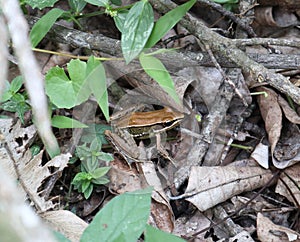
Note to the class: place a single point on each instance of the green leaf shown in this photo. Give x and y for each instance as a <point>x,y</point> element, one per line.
<point>87,193</point>
<point>155,68</point>
<point>63,122</point>
<point>40,4</point>
<point>17,104</point>
<point>95,145</point>
<point>138,25</point>
<point>100,3</point>
<point>105,156</point>
<point>99,172</point>
<point>96,79</point>
<point>77,5</point>
<point>154,234</point>
<point>86,184</point>
<point>35,149</point>
<point>100,181</point>
<point>120,19</point>
<point>167,22</point>
<point>16,84</point>
<point>95,131</point>
<point>65,92</point>
<point>41,27</point>
<point>60,237</point>
<point>11,88</point>
<point>90,165</point>
<point>80,178</point>
<point>116,2</point>
<point>123,219</point>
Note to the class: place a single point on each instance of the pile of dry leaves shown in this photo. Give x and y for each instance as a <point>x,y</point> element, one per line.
<point>234,175</point>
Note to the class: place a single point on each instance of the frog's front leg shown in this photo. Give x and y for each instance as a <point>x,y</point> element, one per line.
<point>162,150</point>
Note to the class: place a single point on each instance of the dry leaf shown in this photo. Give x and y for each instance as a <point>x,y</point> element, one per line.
<point>32,174</point>
<point>270,232</point>
<point>18,222</point>
<point>188,225</point>
<point>243,236</point>
<point>272,115</point>
<point>290,183</point>
<point>287,154</point>
<point>261,155</point>
<point>161,210</point>
<point>209,186</point>
<point>66,222</point>
<point>289,113</point>
<point>20,164</point>
<point>122,178</point>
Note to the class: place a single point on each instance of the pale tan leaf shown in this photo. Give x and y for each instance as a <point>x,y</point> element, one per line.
<point>161,216</point>
<point>18,222</point>
<point>122,178</point>
<point>66,222</point>
<point>289,113</point>
<point>243,236</point>
<point>161,210</point>
<point>20,165</point>
<point>287,150</point>
<point>291,183</point>
<point>17,138</point>
<point>261,155</point>
<point>209,186</point>
<point>272,115</point>
<point>32,174</point>
<point>188,225</point>
<point>268,231</point>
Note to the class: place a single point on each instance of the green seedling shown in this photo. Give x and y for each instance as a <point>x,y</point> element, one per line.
<point>14,101</point>
<point>91,173</point>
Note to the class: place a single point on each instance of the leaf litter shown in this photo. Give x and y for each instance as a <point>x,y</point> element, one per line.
<point>208,187</point>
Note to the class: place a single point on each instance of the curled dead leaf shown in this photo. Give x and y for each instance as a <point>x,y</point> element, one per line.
<point>209,186</point>
<point>268,231</point>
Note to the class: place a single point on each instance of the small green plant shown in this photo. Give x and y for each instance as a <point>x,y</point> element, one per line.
<point>14,101</point>
<point>141,34</point>
<point>91,173</point>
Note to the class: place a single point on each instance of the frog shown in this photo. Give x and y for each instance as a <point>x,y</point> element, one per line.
<point>128,125</point>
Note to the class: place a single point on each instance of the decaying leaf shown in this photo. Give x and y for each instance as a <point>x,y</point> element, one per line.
<point>18,222</point>
<point>272,115</point>
<point>286,152</point>
<point>66,222</point>
<point>27,169</point>
<point>268,231</point>
<point>289,113</point>
<point>188,225</point>
<point>209,186</point>
<point>290,183</point>
<point>161,210</point>
<point>122,178</point>
<point>261,155</point>
<point>284,144</point>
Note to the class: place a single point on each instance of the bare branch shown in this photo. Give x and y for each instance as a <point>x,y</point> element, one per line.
<point>18,30</point>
